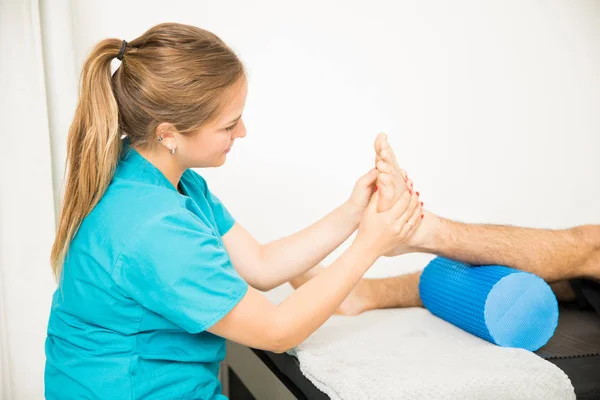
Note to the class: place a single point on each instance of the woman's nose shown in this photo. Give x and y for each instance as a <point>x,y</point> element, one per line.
<point>242,131</point>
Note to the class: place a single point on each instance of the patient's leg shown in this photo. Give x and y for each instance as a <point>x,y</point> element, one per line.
<point>397,292</point>
<point>554,255</point>
<point>403,291</point>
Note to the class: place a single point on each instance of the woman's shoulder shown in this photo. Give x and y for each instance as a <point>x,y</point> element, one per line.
<point>192,177</point>
<point>132,192</point>
<point>130,204</point>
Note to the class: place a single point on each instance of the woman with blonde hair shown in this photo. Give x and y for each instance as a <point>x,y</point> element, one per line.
<point>154,273</point>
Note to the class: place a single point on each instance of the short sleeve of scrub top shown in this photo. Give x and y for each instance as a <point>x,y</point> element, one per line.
<point>176,266</point>
<point>223,218</point>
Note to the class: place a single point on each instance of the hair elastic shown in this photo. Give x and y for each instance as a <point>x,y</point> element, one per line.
<point>122,51</point>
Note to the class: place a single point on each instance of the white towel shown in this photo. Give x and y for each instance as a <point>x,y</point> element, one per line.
<point>412,354</point>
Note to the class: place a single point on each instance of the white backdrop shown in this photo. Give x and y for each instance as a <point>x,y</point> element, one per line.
<point>26,207</point>
<point>493,108</point>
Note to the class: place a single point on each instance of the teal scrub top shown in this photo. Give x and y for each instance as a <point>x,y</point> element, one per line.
<point>145,276</point>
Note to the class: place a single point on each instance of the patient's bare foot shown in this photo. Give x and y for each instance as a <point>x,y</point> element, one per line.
<point>358,301</point>
<point>393,182</point>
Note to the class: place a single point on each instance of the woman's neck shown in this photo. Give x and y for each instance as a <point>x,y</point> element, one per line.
<point>165,163</point>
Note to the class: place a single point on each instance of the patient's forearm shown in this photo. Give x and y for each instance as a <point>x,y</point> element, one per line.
<point>293,255</point>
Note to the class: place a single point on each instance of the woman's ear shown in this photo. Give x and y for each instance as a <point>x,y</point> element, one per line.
<point>164,130</point>
<point>165,135</point>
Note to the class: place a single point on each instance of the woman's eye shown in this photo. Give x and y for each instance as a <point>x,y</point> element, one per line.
<point>231,127</point>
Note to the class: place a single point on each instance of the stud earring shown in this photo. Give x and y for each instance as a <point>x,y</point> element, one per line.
<point>160,138</point>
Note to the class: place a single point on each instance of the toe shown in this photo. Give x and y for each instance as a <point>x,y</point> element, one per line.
<point>404,174</point>
<point>390,152</point>
<point>381,138</point>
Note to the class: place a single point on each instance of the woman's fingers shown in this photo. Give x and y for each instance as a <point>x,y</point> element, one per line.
<point>400,206</point>
<point>369,178</point>
<point>405,210</point>
<point>413,222</point>
<point>372,206</point>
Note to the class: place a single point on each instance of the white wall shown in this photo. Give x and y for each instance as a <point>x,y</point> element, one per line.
<point>492,107</point>
<point>26,207</point>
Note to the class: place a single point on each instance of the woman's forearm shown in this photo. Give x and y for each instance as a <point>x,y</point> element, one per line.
<point>293,255</point>
<point>315,301</point>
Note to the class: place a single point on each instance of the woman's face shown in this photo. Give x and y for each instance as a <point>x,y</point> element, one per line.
<point>208,147</point>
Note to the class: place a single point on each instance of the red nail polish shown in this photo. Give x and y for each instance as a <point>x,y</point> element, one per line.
<point>421,204</point>
<point>422,215</point>
<point>418,194</point>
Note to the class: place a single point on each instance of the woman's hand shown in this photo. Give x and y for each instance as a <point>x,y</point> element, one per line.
<point>362,193</point>
<point>383,231</point>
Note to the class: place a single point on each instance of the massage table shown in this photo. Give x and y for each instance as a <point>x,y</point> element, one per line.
<point>575,348</point>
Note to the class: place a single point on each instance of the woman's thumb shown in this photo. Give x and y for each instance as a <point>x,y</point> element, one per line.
<point>372,207</point>
<point>369,178</point>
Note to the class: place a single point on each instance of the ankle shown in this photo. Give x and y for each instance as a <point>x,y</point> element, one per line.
<point>361,299</point>
<point>365,295</point>
<point>430,233</point>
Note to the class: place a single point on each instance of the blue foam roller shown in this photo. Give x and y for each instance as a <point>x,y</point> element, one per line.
<point>502,305</point>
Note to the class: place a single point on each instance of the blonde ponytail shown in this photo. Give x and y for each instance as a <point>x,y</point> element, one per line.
<point>93,147</point>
